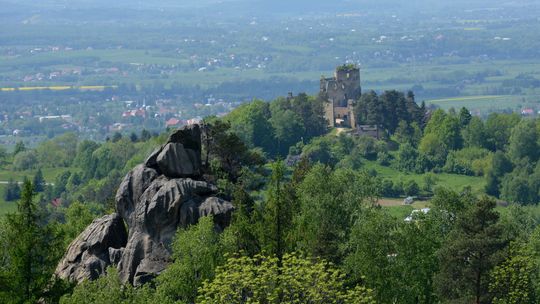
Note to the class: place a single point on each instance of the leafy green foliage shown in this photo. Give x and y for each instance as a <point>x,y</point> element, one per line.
<point>370,253</point>
<point>19,147</point>
<point>196,254</point>
<point>389,110</point>
<point>407,159</point>
<point>499,128</point>
<point>468,161</point>
<point>474,134</point>
<point>522,185</point>
<point>262,279</point>
<point>242,235</point>
<point>441,135</point>
<point>325,208</point>
<point>58,152</point>
<point>500,165</point>
<point>523,142</point>
<point>330,202</point>
<point>108,289</point>
<point>25,160</point>
<point>250,121</point>
<point>513,281</point>
<point>225,153</point>
<point>411,188</point>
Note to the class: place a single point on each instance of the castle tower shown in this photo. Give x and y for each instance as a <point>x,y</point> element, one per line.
<point>342,90</point>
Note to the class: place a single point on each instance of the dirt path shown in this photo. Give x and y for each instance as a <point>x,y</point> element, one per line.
<point>390,202</point>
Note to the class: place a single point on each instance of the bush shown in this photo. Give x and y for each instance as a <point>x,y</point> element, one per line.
<point>406,158</point>
<point>383,158</point>
<point>411,188</point>
<point>397,188</point>
<point>387,188</point>
<point>295,279</point>
<point>367,147</point>
<point>353,161</point>
<point>430,181</point>
<point>25,160</point>
<point>461,161</point>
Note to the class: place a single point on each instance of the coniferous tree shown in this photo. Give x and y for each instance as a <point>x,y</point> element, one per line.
<point>145,135</point>
<point>242,228</point>
<point>39,181</point>
<point>19,147</point>
<point>474,247</point>
<point>31,252</point>
<point>13,191</point>
<point>278,216</point>
<point>116,136</point>
<point>500,165</point>
<point>464,117</point>
<point>133,137</point>
<point>3,154</point>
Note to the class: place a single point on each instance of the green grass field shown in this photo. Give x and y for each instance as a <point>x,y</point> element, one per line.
<point>486,103</point>
<point>395,206</point>
<point>49,174</point>
<point>453,181</point>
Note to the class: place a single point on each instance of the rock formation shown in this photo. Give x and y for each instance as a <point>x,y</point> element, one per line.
<point>153,200</point>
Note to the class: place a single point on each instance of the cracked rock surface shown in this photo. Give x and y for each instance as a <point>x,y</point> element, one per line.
<point>153,201</point>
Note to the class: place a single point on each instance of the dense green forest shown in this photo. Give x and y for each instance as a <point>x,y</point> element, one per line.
<point>310,224</point>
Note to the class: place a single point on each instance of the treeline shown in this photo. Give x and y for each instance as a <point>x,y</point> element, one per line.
<point>317,235</point>
<point>276,126</point>
<point>414,140</point>
<point>312,231</point>
<point>89,171</point>
<point>280,126</point>
<point>389,109</point>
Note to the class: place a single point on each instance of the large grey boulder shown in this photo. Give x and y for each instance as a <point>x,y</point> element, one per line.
<point>131,189</point>
<point>161,210</point>
<point>87,256</point>
<point>154,200</point>
<point>185,143</point>
<point>220,209</point>
<point>174,160</point>
<point>189,137</point>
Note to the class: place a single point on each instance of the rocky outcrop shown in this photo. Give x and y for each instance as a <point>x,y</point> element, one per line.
<point>154,200</point>
<point>88,255</point>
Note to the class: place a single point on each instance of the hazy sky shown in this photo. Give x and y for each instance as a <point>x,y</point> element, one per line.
<point>269,7</point>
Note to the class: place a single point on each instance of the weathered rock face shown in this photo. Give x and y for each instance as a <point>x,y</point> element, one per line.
<point>154,200</point>
<point>177,161</point>
<point>88,256</point>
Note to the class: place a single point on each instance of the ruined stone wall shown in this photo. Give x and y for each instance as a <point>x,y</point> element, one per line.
<point>342,90</point>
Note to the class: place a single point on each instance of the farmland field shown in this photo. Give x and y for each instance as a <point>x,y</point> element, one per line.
<point>49,174</point>
<point>452,181</point>
<point>487,103</point>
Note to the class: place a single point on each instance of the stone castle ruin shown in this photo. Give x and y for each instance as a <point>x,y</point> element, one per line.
<point>341,92</point>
